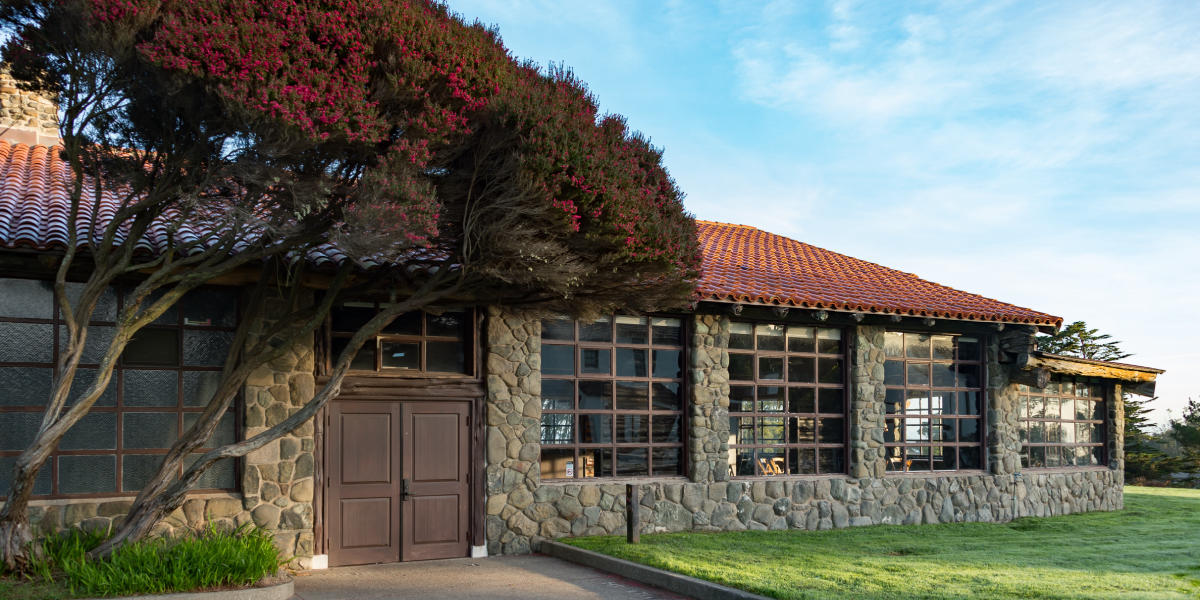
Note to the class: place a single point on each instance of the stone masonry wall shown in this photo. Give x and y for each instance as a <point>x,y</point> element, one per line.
<point>522,511</point>
<point>277,480</point>
<point>25,117</point>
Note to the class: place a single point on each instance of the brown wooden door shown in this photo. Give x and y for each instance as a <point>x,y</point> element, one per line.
<point>438,500</point>
<point>363,514</point>
<point>398,481</point>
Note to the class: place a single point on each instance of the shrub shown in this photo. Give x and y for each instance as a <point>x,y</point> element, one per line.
<point>213,558</point>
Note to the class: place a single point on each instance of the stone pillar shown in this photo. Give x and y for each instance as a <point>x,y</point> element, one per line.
<point>277,482</point>
<point>1116,430</point>
<point>26,117</point>
<point>1003,426</point>
<point>513,435</point>
<point>867,404</point>
<point>708,411</point>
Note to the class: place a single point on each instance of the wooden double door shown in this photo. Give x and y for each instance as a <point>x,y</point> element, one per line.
<point>398,481</point>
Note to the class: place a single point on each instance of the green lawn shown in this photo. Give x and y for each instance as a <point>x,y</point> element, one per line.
<point>1149,550</point>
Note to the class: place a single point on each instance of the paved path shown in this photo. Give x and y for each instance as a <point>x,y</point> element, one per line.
<point>528,577</point>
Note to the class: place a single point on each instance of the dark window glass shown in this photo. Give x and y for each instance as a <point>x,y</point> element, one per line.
<point>445,357</point>
<point>26,299</point>
<point>97,431</point>
<point>1064,425</point>
<point>363,361</point>
<point>25,386</point>
<point>150,388</point>
<point>26,342</point>
<point>87,474</point>
<point>628,382</point>
<point>413,343</point>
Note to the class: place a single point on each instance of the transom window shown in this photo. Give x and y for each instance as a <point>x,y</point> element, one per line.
<point>416,342</point>
<point>162,382</point>
<point>934,395</point>
<point>1063,425</point>
<point>612,397</point>
<point>787,400</point>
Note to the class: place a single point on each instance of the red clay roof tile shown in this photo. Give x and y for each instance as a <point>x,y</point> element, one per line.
<point>740,263</point>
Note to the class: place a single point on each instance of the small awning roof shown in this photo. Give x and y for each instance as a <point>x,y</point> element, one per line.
<point>1141,379</point>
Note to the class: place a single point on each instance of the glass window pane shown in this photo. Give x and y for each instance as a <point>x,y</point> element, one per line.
<point>832,460</point>
<point>829,370</point>
<point>941,403</point>
<point>138,469</point>
<point>220,476</point>
<point>833,401</point>
<point>968,376</point>
<point>599,330</point>
<point>558,463</point>
<point>944,459</point>
<point>893,372</point>
<point>916,345</point>
<point>106,306</point>
<point>631,330</point>
<point>149,430</point>
<point>668,363</point>
<point>802,461</point>
<point>829,341</point>
<point>1097,411</point>
<point>943,375</point>
<point>770,367</point>
<point>771,461</point>
<point>595,462</point>
<point>150,346</point>
<point>1037,457</point>
<point>916,402</point>
<point>800,339</point>
<point>349,317</point>
<point>151,388</point>
<point>558,360</point>
<point>18,429</point>
<point>595,361</point>
<point>802,369</point>
<point>668,332</point>
<point>771,430</point>
<point>405,324</point>
<point>918,373</point>
<point>632,395</point>
<point>741,430</point>
<point>894,401</point>
<point>741,336</point>
<point>632,462</point>
<point>665,396</point>
<point>832,431</point>
<point>448,324</point>
<point>401,355</point>
<point>1083,409</point>
<point>205,348</point>
<point>741,367</point>
<point>210,307</point>
<point>968,403</point>
<point>741,398</point>
<point>87,474</point>
<point>95,431</point>
<point>803,430</point>
<point>41,482</point>
<point>199,387</point>
<point>969,349</point>
<point>558,394</point>
<point>770,398</point>
<point>558,429</point>
<point>26,298</point>
<point>943,347</point>
<point>742,461</point>
<point>595,429</point>
<point>667,429</point>
<point>802,400</point>
<point>631,362</point>
<point>1067,409</point>
<point>25,386</point>
<point>595,395</point>
<point>363,361</point>
<point>26,342</point>
<point>668,461</point>
<point>633,429</point>
<point>445,357</point>
<point>224,434</point>
<point>770,337</point>
<point>893,344</point>
<point>558,328</point>
<point>83,379</point>
<point>970,457</point>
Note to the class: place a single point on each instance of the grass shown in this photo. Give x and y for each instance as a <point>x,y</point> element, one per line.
<point>1149,550</point>
<point>213,559</point>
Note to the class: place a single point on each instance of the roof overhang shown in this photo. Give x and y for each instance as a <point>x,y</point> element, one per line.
<point>1037,367</point>
<point>870,317</point>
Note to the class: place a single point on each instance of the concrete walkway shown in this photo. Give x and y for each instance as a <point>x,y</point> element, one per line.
<point>529,577</point>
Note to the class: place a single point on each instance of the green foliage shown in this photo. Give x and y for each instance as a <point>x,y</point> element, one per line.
<point>1186,429</point>
<point>1077,339</point>
<point>211,559</point>
<point>1147,550</point>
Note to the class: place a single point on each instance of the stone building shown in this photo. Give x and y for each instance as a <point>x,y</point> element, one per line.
<point>805,390</point>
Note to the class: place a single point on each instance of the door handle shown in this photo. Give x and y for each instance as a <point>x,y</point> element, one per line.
<point>404,489</point>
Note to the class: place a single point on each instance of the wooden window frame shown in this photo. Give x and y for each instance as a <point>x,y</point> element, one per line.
<point>903,418</point>
<point>119,409</point>
<point>470,356</point>
<point>577,447</point>
<point>1026,420</point>
<point>784,384</point>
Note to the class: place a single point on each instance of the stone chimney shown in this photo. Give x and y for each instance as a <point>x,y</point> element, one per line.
<point>26,117</point>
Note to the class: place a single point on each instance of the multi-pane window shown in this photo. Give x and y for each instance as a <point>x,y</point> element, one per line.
<point>161,384</point>
<point>612,397</point>
<point>934,399</point>
<point>1063,424</point>
<point>416,342</point>
<point>787,400</point>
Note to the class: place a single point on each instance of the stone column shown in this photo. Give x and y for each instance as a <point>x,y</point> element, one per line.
<point>867,404</point>
<point>513,435</point>
<point>1003,427</point>
<point>708,411</point>
<point>1116,430</point>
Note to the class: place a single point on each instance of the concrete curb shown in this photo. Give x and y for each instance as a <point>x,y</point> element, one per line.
<point>282,591</point>
<point>673,582</point>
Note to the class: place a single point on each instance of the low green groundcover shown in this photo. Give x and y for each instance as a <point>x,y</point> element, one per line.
<point>212,559</point>
<point>1149,550</point>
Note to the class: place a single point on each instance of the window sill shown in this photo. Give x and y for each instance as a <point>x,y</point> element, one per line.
<point>124,498</point>
<point>796,477</point>
<point>927,474</point>
<point>618,480</point>
<point>1087,469</point>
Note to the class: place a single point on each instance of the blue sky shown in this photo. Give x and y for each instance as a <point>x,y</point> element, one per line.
<point>1045,154</point>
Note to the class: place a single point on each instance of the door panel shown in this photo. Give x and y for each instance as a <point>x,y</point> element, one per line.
<point>436,444</point>
<point>364,482</point>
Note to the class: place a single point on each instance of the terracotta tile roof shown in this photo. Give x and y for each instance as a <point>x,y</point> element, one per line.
<point>746,264</point>
<point>741,264</point>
